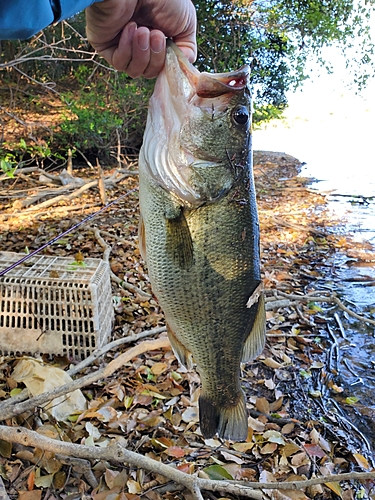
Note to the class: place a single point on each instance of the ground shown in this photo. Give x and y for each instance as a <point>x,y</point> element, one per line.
<point>302,423</point>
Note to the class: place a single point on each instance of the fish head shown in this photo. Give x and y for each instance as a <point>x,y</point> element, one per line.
<point>197,140</point>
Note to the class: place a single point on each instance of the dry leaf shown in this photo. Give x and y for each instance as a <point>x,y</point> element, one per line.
<point>134,487</point>
<point>314,450</point>
<point>190,414</point>
<point>256,424</point>
<point>271,363</point>
<point>361,461</point>
<point>158,368</point>
<point>276,405</point>
<point>316,438</point>
<point>270,384</point>
<point>287,428</point>
<point>268,448</point>
<point>262,405</point>
<point>300,459</point>
<point>335,487</point>
<point>175,451</point>
<point>274,437</point>
<point>232,458</point>
<point>242,447</point>
<point>290,449</point>
<point>30,495</point>
<point>40,378</point>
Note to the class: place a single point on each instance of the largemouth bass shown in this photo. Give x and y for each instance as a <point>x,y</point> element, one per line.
<point>199,232</point>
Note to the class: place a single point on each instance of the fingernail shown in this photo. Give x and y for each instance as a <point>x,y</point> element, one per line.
<point>130,28</point>
<point>144,40</point>
<point>157,44</point>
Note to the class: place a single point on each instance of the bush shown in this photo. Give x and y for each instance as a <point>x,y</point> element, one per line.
<point>108,108</point>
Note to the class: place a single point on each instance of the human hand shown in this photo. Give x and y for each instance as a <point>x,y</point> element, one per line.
<point>131,34</point>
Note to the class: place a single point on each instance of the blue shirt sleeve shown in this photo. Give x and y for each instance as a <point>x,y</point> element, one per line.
<point>21,19</point>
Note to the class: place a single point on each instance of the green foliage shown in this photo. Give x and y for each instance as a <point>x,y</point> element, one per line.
<point>102,107</point>
<point>8,165</point>
<point>108,107</point>
<point>19,154</point>
<point>277,37</point>
<point>266,113</point>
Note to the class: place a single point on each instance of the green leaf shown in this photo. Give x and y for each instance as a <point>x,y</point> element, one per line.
<point>5,449</point>
<point>305,374</point>
<point>217,472</point>
<point>15,392</point>
<point>351,400</point>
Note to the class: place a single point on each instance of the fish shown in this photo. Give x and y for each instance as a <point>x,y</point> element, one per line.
<point>199,231</point>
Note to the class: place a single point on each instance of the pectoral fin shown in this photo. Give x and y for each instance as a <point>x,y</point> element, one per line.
<point>142,238</point>
<point>256,339</point>
<point>183,356</point>
<point>179,244</point>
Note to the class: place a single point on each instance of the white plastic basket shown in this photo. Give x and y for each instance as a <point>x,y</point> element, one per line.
<point>54,305</point>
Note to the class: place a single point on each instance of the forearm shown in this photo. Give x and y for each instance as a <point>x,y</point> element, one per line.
<point>21,19</point>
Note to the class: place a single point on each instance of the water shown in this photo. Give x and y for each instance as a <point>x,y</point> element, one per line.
<point>331,129</point>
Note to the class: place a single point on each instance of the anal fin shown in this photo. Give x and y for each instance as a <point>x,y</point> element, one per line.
<point>256,339</point>
<point>183,356</point>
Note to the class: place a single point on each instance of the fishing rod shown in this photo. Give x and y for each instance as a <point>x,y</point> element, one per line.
<point>50,242</point>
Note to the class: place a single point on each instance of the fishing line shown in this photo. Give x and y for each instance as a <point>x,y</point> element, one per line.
<point>50,242</point>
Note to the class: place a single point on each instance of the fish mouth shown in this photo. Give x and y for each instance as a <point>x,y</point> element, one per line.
<point>207,85</point>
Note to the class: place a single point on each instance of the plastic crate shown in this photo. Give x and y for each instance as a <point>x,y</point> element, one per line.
<point>53,305</point>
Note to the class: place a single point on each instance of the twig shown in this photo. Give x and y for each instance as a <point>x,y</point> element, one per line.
<point>130,287</point>
<point>112,345</point>
<point>108,181</point>
<point>101,183</point>
<point>298,227</point>
<point>56,210</point>
<point>328,298</point>
<point>69,167</point>
<point>80,465</point>
<point>107,249</point>
<point>117,453</point>
<point>341,327</point>
<point>41,399</point>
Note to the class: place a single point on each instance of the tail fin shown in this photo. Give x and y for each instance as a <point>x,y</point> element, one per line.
<point>230,422</point>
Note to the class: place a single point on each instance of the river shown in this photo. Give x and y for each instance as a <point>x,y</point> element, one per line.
<point>331,129</point>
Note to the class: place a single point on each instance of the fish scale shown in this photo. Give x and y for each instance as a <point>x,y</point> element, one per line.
<point>199,231</point>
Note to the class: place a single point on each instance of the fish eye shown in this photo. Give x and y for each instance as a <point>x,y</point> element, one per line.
<point>241,115</point>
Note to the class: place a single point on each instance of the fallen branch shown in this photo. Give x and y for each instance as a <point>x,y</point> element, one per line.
<point>117,453</point>
<point>112,345</point>
<point>129,286</point>
<point>56,210</point>
<point>109,181</point>
<point>107,249</point>
<point>275,302</point>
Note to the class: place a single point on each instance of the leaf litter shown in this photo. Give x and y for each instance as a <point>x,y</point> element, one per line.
<point>298,427</point>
